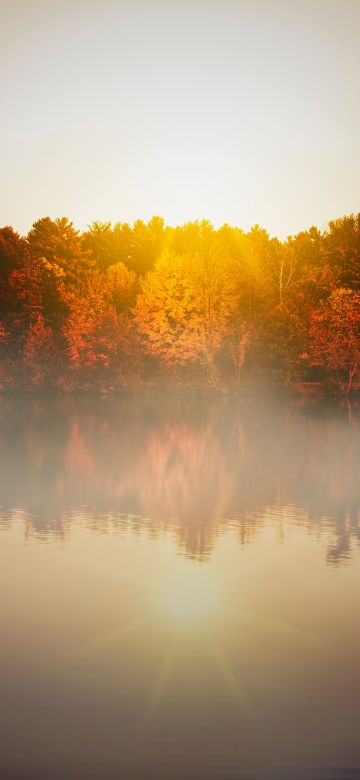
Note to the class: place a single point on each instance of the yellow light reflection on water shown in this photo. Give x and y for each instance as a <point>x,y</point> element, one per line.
<point>191,600</point>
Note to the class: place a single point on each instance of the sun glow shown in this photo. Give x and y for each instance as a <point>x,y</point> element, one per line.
<point>192,599</point>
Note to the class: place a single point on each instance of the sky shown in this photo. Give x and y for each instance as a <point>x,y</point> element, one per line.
<point>245,112</point>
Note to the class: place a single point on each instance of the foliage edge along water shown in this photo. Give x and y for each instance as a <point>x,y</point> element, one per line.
<point>128,306</point>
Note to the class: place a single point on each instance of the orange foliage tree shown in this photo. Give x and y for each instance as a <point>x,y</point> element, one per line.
<point>335,337</point>
<point>100,337</point>
<point>40,354</point>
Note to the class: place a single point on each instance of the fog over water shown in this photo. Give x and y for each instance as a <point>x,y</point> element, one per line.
<point>179,588</point>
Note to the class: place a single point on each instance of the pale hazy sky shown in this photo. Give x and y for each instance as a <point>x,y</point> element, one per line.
<point>237,111</point>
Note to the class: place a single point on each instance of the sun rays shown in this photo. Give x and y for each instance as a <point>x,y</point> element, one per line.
<point>191,624</point>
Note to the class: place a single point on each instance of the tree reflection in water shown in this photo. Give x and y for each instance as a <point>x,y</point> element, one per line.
<point>189,467</point>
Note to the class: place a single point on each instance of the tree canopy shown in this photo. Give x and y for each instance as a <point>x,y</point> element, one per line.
<point>121,304</point>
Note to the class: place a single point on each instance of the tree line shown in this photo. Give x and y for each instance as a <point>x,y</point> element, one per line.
<point>121,305</point>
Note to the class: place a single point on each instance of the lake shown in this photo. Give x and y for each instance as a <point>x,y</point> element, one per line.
<point>179,589</point>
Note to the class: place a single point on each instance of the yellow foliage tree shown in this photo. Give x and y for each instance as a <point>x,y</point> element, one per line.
<point>184,308</point>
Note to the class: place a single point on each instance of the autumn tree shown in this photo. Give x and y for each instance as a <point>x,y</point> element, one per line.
<point>247,262</point>
<point>166,311</point>
<point>147,243</point>
<point>12,251</point>
<point>108,245</point>
<point>184,306</point>
<point>40,354</point>
<point>13,256</point>
<point>288,323</point>
<point>59,245</point>
<point>137,247</point>
<point>341,248</point>
<point>101,340</point>
<point>31,304</point>
<point>335,337</point>
<point>120,286</point>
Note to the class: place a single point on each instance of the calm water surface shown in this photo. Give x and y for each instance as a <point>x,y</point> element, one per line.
<point>179,590</point>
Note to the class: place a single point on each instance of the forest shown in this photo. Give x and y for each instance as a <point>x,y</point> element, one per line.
<point>128,306</point>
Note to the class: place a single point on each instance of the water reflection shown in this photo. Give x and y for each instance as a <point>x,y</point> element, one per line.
<point>192,468</point>
<point>120,658</point>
